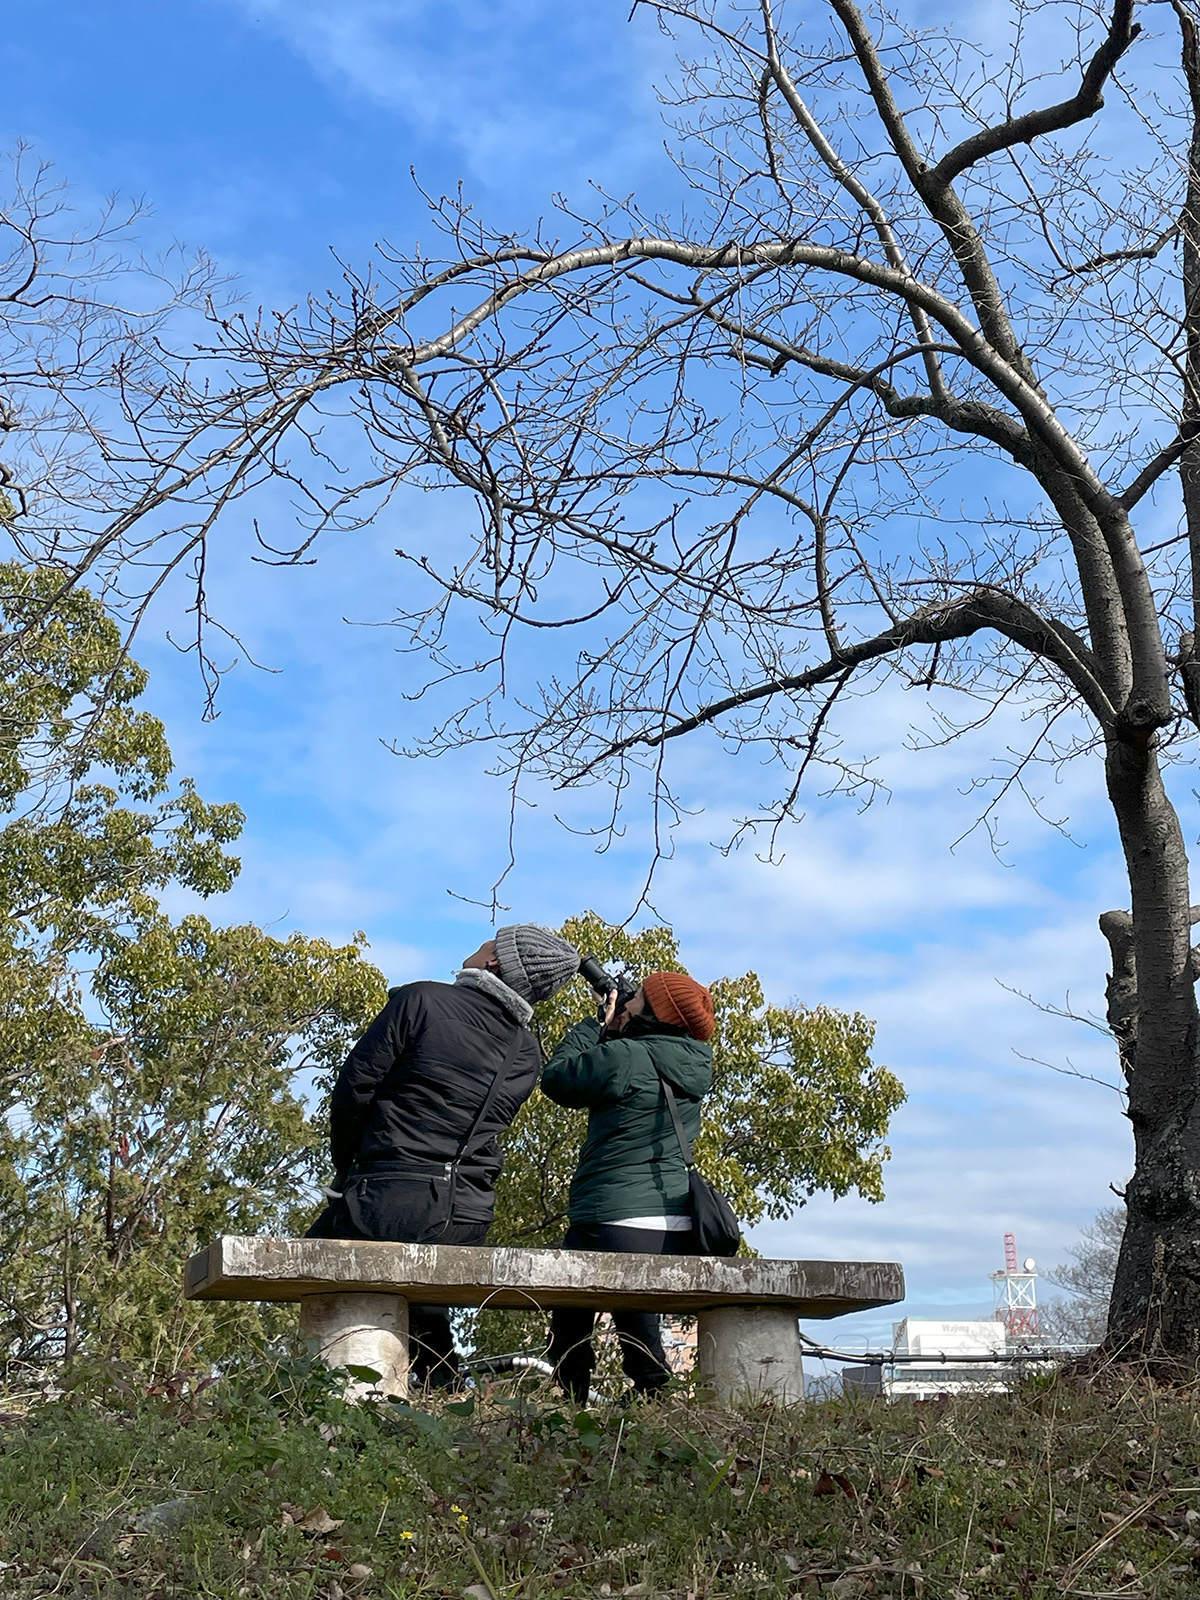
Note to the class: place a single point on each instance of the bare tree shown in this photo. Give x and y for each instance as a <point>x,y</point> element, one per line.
<point>89,411</point>
<point>1088,1279</point>
<point>891,397</point>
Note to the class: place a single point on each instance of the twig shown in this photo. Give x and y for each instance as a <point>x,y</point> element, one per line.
<point>616,1451</point>
<point>1077,1566</point>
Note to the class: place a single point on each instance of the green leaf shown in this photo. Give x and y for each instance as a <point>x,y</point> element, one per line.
<point>589,1430</point>
<point>363,1374</point>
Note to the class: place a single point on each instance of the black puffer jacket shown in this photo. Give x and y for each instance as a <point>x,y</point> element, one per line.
<point>413,1083</point>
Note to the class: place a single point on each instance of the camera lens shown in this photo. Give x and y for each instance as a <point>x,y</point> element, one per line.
<point>594,974</point>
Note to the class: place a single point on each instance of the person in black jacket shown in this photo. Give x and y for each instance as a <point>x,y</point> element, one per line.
<point>418,1106</point>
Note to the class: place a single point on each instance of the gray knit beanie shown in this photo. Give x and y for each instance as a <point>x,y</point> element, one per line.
<point>534,961</point>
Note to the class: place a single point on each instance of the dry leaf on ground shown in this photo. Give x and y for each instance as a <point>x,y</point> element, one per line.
<point>316,1521</point>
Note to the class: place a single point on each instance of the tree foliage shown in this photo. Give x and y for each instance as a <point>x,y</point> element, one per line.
<point>94,829</point>
<point>183,1115</point>
<point>154,1075</point>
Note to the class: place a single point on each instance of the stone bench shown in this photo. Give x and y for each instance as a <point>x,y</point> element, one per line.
<point>354,1298</point>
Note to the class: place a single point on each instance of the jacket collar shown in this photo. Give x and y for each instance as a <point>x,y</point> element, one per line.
<point>476,978</point>
<point>641,1026</point>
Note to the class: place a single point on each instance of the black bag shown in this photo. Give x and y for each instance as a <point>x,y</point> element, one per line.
<point>406,1201</point>
<point>402,1202</point>
<point>714,1221</point>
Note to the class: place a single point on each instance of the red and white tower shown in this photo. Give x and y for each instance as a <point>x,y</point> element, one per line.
<point>1016,1293</point>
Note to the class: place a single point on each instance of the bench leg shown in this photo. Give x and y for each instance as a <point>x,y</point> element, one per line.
<point>750,1353</point>
<point>361,1330</point>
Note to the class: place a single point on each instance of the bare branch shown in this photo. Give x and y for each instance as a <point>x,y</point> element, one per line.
<point>1149,475</point>
<point>853,186</point>
<point>1084,103</point>
<point>1115,257</point>
<point>957,620</point>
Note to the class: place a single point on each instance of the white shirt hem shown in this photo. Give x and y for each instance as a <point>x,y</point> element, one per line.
<point>653,1224</point>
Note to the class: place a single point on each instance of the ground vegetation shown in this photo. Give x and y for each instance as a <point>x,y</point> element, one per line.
<point>266,1483</point>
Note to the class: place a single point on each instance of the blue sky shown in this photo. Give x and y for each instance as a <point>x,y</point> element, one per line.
<point>279,135</point>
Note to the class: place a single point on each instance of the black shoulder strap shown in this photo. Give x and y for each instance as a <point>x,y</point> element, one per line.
<point>685,1144</point>
<point>493,1091</point>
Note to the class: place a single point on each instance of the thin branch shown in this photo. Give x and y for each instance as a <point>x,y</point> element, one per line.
<point>853,186</point>
<point>1151,473</point>
<point>957,619</point>
<point>1114,257</point>
<point>1084,103</point>
<point>1072,1072</point>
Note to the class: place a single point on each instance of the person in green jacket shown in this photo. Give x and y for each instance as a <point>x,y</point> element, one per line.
<point>630,1190</point>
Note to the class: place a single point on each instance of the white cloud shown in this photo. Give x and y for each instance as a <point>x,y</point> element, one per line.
<point>519,87</point>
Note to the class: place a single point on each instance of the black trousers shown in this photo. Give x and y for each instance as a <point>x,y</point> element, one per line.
<point>639,1333</point>
<point>432,1356</point>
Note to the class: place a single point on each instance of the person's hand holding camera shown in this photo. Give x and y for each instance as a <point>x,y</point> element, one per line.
<point>610,1010</point>
<point>615,1017</point>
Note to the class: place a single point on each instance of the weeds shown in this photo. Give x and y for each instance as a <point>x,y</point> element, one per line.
<point>270,1484</point>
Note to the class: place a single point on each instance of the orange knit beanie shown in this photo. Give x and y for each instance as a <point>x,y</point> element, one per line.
<point>678,999</point>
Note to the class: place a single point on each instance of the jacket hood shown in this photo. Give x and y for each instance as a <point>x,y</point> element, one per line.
<point>518,1008</point>
<point>684,1062</point>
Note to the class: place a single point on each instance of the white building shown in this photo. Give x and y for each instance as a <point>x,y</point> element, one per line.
<point>948,1342</point>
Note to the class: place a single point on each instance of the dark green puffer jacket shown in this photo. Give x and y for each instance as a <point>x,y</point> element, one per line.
<point>631,1164</point>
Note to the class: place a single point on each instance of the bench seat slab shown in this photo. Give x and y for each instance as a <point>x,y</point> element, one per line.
<point>239,1268</point>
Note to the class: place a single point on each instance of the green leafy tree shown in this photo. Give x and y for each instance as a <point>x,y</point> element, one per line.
<point>797,1104</point>
<point>154,1076</point>
<point>95,827</point>
<point>184,1116</point>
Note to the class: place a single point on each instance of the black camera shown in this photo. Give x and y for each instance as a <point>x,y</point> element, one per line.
<point>604,983</point>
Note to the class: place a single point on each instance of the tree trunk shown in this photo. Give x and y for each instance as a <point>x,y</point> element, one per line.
<point>1156,1295</point>
<point>1152,1002</point>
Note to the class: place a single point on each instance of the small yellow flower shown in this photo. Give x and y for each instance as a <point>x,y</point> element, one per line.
<point>460,1514</point>
<point>408,1536</point>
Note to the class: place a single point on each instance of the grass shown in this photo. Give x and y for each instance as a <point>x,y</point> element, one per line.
<point>274,1486</point>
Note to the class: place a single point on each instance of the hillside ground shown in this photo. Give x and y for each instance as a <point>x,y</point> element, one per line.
<point>267,1483</point>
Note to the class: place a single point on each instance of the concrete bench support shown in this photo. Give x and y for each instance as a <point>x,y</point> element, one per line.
<point>750,1354</point>
<point>361,1330</point>
<point>355,1295</point>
